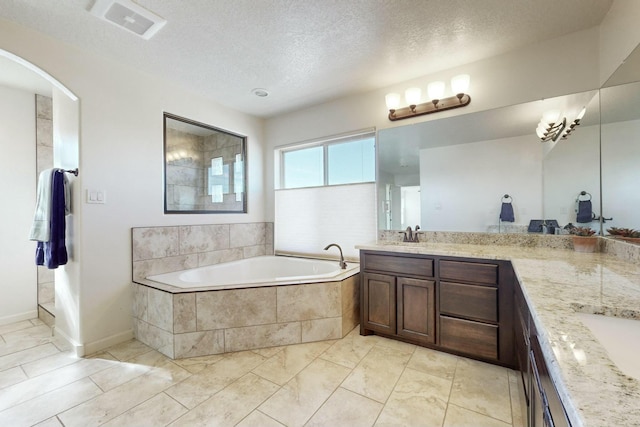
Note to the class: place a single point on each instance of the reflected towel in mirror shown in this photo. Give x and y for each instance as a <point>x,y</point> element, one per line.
<point>506,212</point>
<point>584,212</point>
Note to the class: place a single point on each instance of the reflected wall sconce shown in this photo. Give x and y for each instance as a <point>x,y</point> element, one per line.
<point>552,126</point>
<point>435,91</point>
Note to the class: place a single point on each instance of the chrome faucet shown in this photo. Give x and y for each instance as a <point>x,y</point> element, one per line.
<point>343,265</point>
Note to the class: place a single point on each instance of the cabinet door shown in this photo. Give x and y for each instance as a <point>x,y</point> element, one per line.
<point>417,309</point>
<point>379,303</point>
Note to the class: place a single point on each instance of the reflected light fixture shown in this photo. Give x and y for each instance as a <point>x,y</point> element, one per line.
<point>574,123</point>
<point>435,91</point>
<point>552,126</point>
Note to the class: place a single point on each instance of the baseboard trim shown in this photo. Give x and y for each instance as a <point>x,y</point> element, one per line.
<point>75,346</point>
<point>27,315</point>
<point>96,346</point>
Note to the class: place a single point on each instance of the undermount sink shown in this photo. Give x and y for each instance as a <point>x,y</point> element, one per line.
<point>620,337</point>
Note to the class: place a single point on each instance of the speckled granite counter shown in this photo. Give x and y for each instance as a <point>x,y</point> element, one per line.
<point>557,283</point>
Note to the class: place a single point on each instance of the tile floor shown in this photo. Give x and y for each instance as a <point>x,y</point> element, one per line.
<point>355,381</point>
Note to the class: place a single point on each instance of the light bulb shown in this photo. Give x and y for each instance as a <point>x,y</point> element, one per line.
<point>540,132</point>
<point>460,84</point>
<point>412,95</point>
<point>543,128</point>
<point>551,116</point>
<point>435,90</point>
<point>392,100</point>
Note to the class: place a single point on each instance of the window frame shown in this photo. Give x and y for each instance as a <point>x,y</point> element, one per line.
<point>325,143</point>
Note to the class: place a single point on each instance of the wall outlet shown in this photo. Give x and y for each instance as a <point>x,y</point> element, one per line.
<point>96,197</point>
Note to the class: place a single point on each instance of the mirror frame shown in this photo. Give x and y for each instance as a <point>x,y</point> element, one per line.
<point>243,141</point>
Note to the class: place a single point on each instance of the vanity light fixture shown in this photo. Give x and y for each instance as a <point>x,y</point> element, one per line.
<point>574,123</point>
<point>552,126</point>
<point>435,91</point>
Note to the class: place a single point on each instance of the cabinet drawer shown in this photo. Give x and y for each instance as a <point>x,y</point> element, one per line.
<point>400,265</point>
<point>469,337</point>
<point>469,272</point>
<point>470,301</point>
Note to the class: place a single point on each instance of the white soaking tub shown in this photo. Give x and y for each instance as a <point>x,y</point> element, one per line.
<point>250,272</point>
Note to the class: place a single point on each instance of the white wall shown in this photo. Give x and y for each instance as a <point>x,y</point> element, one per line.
<point>66,150</point>
<point>619,36</point>
<point>554,67</point>
<point>121,153</point>
<point>462,185</point>
<point>621,174</point>
<point>18,300</point>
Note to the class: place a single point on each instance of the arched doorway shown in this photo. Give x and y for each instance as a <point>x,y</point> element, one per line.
<point>37,113</point>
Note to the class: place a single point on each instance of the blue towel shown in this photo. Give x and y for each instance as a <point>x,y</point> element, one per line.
<point>584,214</point>
<point>54,252</point>
<point>506,212</point>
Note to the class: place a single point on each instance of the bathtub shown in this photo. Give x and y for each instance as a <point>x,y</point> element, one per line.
<point>258,271</point>
<point>248,304</point>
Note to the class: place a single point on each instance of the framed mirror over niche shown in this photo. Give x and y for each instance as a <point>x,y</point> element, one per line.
<point>204,168</point>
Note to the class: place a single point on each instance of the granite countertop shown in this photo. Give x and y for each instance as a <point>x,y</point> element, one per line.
<point>558,284</point>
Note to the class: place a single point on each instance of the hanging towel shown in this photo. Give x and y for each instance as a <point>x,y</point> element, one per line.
<point>584,213</point>
<point>53,253</point>
<point>506,212</point>
<point>42,217</point>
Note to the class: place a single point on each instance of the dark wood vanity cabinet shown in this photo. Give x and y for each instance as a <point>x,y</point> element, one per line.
<point>463,306</point>
<point>544,407</point>
<point>469,307</point>
<point>395,305</point>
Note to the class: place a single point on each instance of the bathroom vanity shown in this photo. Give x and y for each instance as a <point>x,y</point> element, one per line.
<point>516,306</point>
<point>460,305</point>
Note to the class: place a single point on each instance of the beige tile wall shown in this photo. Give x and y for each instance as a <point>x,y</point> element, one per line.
<point>158,250</point>
<point>212,322</point>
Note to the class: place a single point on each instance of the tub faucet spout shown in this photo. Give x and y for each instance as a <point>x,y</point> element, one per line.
<point>343,265</point>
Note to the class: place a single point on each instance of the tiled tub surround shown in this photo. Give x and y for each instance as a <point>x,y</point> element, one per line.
<point>188,324</point>
<point>158,250</point>
<point>557,284</point>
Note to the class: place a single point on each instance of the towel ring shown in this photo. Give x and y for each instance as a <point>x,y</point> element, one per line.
<point>507,198</point>
<point>583,193</point>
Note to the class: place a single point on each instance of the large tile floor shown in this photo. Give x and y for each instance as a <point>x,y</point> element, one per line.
<point>355,381</point>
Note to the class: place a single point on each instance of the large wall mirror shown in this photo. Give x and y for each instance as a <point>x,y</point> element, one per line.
<point>205,168</point>
<point>620,98</point>
<point>453,174</point>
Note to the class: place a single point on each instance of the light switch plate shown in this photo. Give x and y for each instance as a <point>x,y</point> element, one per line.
<point>96,197</point>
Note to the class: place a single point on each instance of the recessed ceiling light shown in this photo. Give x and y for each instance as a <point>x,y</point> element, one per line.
<point>262,93</point>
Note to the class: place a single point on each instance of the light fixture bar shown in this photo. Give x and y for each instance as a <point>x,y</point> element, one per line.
<point>554,131</point>
<point>429,107</point>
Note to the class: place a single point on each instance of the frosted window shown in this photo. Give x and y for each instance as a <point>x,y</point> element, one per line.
<point>308,219</point>
<point>238,177</point>
<point>217,194</point>
<point>216,166</point>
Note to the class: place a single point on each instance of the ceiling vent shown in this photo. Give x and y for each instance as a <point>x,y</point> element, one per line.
<point>126,14</point>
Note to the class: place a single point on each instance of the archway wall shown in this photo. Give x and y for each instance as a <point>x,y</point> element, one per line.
<point>120,152</point>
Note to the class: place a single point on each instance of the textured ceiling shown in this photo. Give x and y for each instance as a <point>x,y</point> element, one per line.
<point>308,51</point>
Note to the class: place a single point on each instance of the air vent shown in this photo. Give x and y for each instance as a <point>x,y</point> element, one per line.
<point>130,16</point>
